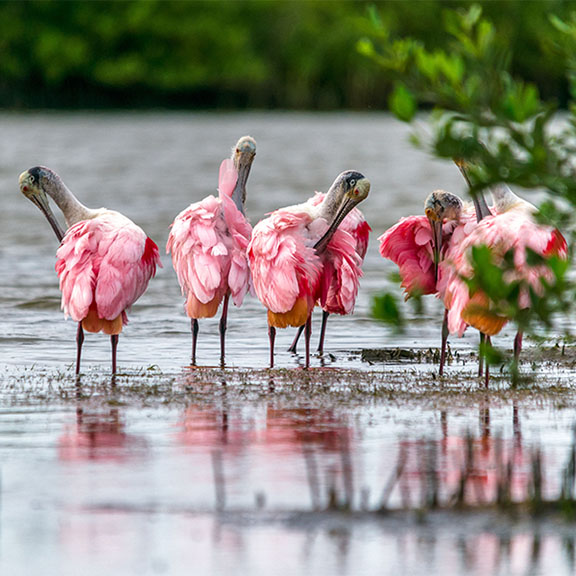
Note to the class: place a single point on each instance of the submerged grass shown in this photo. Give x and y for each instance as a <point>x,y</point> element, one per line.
<point>391,375</point>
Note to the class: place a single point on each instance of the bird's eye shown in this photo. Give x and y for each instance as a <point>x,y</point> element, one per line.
<point>353,183</point>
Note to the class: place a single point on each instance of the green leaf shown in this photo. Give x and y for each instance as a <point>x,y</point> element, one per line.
<point>385,308</point>
<point>402,103</point>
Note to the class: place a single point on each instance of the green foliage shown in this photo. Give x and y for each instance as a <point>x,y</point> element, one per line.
<point>482,112</point>
<point>385,308</point>
<point>257,53</point>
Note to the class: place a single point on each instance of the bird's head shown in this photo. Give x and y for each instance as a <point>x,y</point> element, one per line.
<point>243,155</point>
<point>440,206</point>
<point>348,190</point>
<point>33,184</point>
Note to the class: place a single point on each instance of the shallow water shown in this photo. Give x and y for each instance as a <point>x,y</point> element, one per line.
<point>226,478</point>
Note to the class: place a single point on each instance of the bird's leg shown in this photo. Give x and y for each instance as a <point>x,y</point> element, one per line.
<point>114,342</point>
<point>517,345</point>
<point>488,342</point>
<point>307,334</point>
<point>79,342</point>
<point>323,331</point>
<point>223,326</point>
<point>194,329</point>
<point>292,348</point>
<point>481,355</point>
<point>271,337</point>
<point>444,342</point>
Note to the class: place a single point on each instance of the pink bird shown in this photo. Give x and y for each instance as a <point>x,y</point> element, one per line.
<point>512,228</point>
<point>208,242</point>
<point>355,224</point>
<point>417,244</point>
<point>104,261</point>
<point>290,250</point>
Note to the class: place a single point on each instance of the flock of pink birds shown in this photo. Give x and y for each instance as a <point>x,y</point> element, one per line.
<point>296,258</point>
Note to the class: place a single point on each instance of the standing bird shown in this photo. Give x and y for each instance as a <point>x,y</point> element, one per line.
<point>208,242</point>
<point>512,229</point>
<point>355,224</point>
<point>291,248</point>
<point>104,262</point>
<point>418,244</point>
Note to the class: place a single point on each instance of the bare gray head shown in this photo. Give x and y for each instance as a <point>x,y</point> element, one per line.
<point>347,191</point>
<point>39,182</point>
<point>243,155</point>
<point>438,207</point>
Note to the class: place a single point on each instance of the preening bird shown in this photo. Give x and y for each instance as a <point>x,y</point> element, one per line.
<point>511,229</point>
<point>355,224</point>
<point>104,261</point>
<point>291,248</point>
<point>418,244</point>
<point>208,242</point>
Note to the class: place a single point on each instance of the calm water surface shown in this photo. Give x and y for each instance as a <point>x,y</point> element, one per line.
<point>107,487</point>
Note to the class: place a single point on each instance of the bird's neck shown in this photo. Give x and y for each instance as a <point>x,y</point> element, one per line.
<point>505,199</point>
<point>329,206</point>
<point>74,211</point>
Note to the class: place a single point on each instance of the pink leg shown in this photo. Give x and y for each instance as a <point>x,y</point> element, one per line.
<point>114,342</point>
<point>307,334</point>
<point>444,342</point>
<point>481,356</point>
<point>517,346</point>
<point>292,348</point>
<point>487,378</point>
<point>223,326</point>
<point>194,329</point>
<point>79,342</point>
<point>271,337</point>
<point>323,331</point>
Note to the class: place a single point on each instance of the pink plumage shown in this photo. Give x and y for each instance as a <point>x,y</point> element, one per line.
<point>514,230</point>
<point>208,242</point>
<point>284,264</point>
<point>409,245</point>
<point>104,265</point>
<point>340,278</point>
<point>301,255</point>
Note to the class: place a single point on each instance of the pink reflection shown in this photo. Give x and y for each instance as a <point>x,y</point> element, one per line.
<point>485,462</point>
<point>98,435</point>
<point>289,428</point>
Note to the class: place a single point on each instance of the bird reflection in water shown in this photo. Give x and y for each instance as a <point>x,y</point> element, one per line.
<point>99,435</point>
<point>466,468</point>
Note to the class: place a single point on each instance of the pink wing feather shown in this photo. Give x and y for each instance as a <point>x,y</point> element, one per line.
<point>227,177</point>
<point>107,261</point>
<point>341,274</point>
<point>284,264</point>
<point>409,245</point>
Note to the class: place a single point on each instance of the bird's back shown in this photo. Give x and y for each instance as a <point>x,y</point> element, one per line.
<point>285,266</point>
<point>104,265</point>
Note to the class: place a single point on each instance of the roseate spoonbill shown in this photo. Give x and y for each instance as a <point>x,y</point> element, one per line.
<point>512,228</point>
<point>208,242</point>
<point>417,244</point>
<point>104,262</point>
<point>355,224</point>
<point>290,249</point>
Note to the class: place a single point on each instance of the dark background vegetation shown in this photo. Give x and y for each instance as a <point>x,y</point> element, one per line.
<point>235,54</point>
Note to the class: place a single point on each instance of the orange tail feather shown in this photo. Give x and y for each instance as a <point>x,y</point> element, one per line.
<point>296,317</point>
